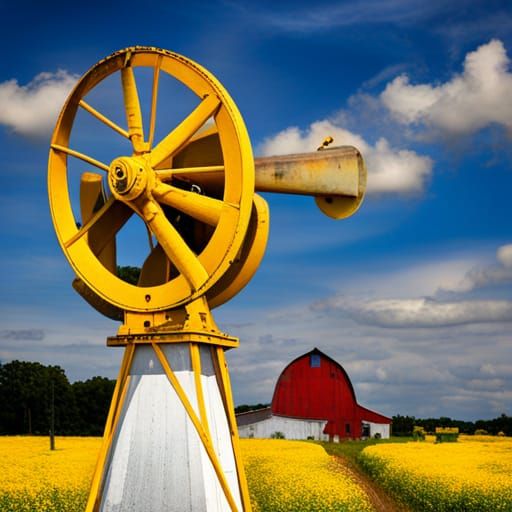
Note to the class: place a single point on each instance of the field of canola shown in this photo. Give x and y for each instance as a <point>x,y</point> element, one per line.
<point>282,475</point>
<point>297,476</point>
<point>36,479</point>
<point>472,475</point>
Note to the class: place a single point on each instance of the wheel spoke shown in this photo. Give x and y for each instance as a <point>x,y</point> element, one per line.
<point>178,252</point>
<point>104,119</point>
<point>186,129</point>
<point>167,174</point>
<point>202,208</point>
<point>154,97</point>
<point>132,108</point>
<point>81,156</point>
<point>90,223</point>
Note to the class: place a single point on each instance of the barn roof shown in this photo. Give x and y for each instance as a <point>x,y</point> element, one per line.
<point>365,413</point>
<point>249,417</point>
<point>319,352</point>
<point>375,417</point>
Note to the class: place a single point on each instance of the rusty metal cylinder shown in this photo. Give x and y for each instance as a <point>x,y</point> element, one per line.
<point>336,177</point>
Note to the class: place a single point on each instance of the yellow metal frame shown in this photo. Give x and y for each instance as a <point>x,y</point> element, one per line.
<point>200,421</point>
<point>235,228</point>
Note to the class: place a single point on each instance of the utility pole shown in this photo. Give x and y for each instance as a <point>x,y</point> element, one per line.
<point>52,419</point>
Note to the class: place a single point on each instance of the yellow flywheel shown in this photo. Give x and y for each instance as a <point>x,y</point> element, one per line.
<point>196,228</point>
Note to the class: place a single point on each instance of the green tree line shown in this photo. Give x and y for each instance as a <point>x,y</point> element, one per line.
<point>26,401</point>
<point>246,408</point>
<point>403,425</point>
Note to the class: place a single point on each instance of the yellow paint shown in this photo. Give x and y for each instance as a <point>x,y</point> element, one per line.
<point>235,441</point>
<point>196,368</point>
<point>249,258</point>
<point>132,108</point>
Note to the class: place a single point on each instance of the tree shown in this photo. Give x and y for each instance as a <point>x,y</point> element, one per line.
<point>246,408</point>
<point>93,398</point>
<point>403,425</point>
<point>25,396</point>
<point>129,274</point>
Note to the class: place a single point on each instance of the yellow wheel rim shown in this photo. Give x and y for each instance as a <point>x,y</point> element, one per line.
<point>227,216</point>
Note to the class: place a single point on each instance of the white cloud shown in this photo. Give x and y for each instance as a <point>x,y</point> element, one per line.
<point>421,312</point>
<point>479,277</point>
<point>480,96</point>
<point>504,255</point>
<point>390,170</point>
<point>414,279</point>
<point>32,109</point>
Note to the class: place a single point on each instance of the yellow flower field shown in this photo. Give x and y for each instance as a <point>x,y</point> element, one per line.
<point>297,476</point>
<point>37,479</point>
<point>283,476</point>
<point>474,474</point>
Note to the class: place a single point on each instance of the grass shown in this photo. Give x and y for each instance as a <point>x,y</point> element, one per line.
<point>351,449</point>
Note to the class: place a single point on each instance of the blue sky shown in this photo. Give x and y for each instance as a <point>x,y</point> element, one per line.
<point>412,295</point>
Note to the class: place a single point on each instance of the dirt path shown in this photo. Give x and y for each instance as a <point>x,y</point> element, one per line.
<point>380,500</point>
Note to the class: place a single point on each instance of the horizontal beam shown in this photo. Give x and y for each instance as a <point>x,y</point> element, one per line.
<point>329,172</point>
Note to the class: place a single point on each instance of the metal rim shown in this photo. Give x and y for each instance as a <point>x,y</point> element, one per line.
<point>234,216</point>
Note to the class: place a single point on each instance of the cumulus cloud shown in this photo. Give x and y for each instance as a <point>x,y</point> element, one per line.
<point>390,170</point>
<point>479,96</point>
<point>479,277</point>
<point>32,109</point>
<point>421,312</point>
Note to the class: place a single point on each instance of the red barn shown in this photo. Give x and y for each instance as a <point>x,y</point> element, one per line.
<point>314,398</point>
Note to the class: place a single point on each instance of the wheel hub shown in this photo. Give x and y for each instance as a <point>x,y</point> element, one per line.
<point>128,177</point>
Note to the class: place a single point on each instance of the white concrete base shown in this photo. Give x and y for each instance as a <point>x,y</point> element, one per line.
<point>157,462</point>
